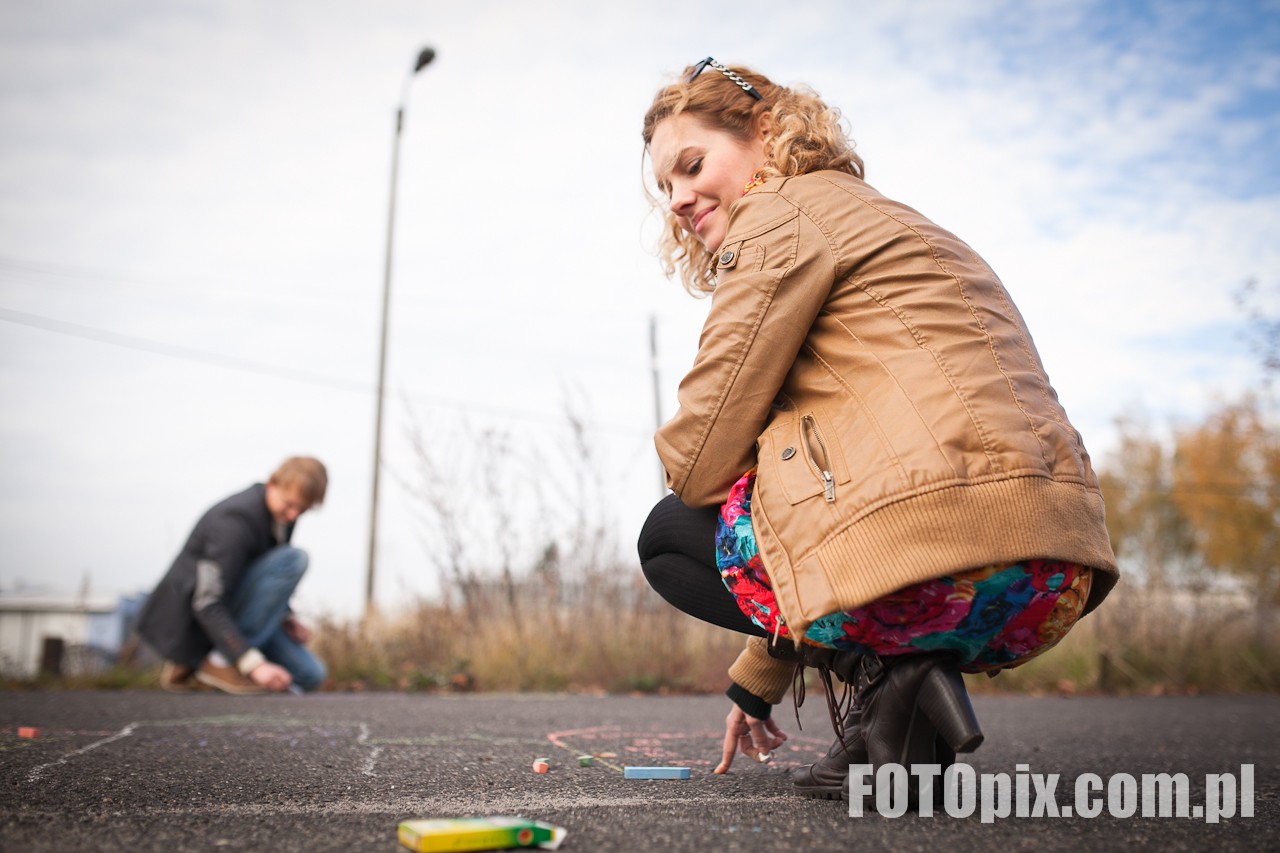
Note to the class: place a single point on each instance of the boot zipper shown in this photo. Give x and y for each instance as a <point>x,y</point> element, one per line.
<point>823,466</point>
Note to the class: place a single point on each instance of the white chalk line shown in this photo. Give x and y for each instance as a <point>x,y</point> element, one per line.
<point>368,768</point>
<point>36,772</point>
<point>451,806</point>
<point>371,760</point>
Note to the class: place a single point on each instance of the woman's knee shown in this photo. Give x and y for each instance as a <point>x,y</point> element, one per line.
<point>671,525</point>
<point>651,530</point>
<point>667,574</point>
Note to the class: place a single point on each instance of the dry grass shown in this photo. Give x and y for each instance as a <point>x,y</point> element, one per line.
<point>609,633</point>
<point>601,635</point>
<point>1156,642</point>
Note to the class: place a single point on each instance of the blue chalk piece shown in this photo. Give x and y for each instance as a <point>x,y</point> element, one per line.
<point>655,773</point>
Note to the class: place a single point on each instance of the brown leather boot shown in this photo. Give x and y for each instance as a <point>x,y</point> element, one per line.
<point>892,720</point>
<point>918,712</point>
<point>177,678</point>
<point>919,698</point>
<point>826,778</point>
<point>227,679</point>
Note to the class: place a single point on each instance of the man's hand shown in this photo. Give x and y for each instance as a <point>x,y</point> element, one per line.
<point>756,738</point>
<point>272,677</point>
<point>295,630</point>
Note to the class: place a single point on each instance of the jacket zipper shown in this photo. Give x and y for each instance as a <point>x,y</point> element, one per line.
<point>810,425</point>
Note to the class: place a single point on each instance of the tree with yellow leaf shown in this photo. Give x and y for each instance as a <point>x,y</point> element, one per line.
<point>1148,528</point>
<point>1226,482</point>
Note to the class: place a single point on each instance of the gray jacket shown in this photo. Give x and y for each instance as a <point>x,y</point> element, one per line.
<point>189,612</point>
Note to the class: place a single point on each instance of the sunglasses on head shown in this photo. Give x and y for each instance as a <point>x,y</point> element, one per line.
<point>742,84</point>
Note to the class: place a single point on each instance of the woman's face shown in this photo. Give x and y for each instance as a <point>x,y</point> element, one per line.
<point>702,170</point>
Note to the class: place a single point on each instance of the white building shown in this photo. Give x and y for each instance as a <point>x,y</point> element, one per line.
<point>91,632</point>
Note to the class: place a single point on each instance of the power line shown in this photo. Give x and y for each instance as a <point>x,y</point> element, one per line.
<point>244,365</point>
<point>221,297</point>
<point>20,269</point>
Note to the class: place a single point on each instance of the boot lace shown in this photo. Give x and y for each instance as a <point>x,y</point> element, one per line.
<point>838,708</point>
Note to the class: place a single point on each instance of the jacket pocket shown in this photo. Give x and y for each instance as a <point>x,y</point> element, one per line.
<point>802,455</point>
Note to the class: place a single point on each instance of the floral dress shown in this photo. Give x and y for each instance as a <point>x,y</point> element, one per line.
<point>993,617</point>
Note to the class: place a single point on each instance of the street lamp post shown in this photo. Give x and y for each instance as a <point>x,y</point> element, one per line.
<point>424,59</point>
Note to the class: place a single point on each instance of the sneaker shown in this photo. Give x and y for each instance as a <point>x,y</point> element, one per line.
<point>176,678</point>
<point>227,679</point>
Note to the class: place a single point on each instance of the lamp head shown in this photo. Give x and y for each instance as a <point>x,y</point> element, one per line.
<point>424,59</point>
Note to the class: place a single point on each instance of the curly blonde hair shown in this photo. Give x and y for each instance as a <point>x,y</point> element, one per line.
<point>806,135</point>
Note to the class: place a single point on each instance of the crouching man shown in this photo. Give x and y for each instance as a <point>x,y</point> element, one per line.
<point>221,616</point>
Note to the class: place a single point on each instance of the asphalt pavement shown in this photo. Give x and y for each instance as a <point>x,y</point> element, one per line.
<point>142,771</point>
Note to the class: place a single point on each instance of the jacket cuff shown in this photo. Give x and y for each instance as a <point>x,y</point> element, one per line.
<point>249,661</point>
<point>759,674</point>
<point>751,705</point>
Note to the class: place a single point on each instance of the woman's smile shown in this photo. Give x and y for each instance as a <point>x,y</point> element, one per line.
<point>702,170</point>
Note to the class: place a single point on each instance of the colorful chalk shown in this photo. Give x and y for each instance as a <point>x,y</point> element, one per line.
<point>586,760</point>
<point>28,731</point>
<point>487,833</point>
<point>655,773</point>
<point>541,766</point>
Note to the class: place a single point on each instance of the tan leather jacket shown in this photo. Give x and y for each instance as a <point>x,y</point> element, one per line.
<point>875,371</point>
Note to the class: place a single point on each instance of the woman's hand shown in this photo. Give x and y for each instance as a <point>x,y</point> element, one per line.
<point>756,738</point>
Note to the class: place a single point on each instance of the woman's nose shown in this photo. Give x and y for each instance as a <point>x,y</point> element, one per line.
<point>681,199</point>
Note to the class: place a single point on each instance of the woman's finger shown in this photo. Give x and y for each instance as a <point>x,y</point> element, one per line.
<point>730,747</point>
<point>761,738</point>
<point>778,733</point>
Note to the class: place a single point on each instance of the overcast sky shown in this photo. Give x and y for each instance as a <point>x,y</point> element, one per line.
<point>193,223</point>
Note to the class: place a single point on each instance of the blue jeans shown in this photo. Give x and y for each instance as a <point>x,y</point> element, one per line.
<point>259,604</point>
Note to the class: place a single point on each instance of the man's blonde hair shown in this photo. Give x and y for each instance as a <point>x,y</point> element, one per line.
<point>806,135</point>
<point>306,474</point>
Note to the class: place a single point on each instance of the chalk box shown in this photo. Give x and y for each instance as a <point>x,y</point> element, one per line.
<point>478,833</point>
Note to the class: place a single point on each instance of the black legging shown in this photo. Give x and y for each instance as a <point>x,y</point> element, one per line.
<point>678,554</point>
